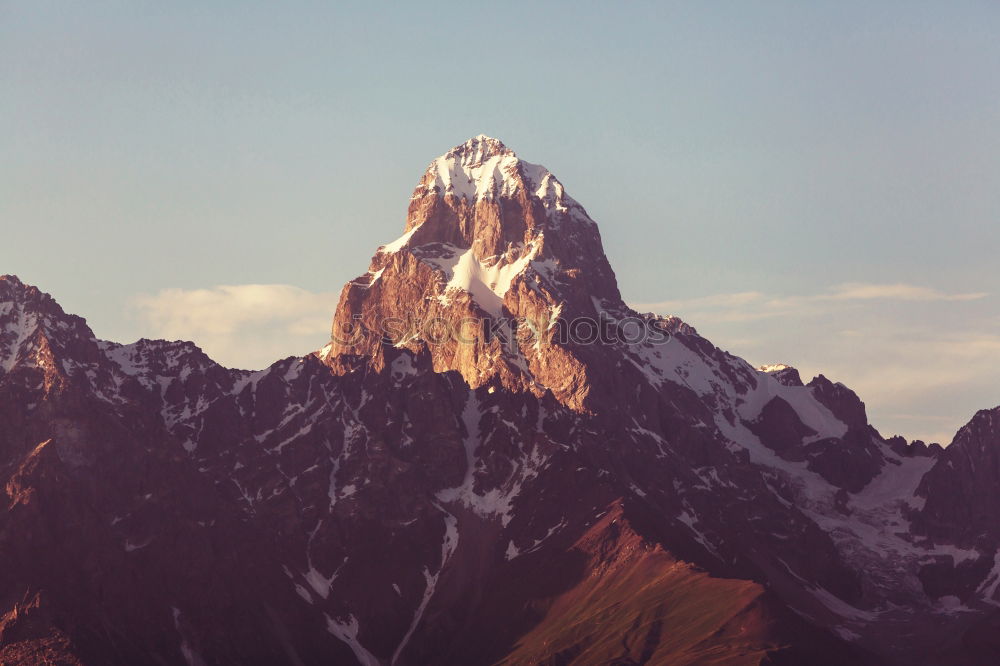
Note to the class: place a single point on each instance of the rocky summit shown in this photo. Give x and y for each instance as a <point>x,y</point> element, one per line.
<point>493,460</point>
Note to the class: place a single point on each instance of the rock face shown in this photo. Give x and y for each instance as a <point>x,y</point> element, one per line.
<point>492,244</point>
<point>494,460</point>
<point>963,488</point>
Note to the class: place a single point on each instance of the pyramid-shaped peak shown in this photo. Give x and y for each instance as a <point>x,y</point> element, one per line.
<point>13,289</point>
<point>477,150</point>
<point>485,169</point>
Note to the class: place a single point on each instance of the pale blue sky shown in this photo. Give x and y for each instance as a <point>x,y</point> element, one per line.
<point>773,150</point>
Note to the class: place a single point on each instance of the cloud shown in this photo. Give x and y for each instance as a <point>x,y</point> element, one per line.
<point>860,291</point>
<point>246,326</point>
<point>764,305</point>
<point>931,356</point>
<point>716,300</point>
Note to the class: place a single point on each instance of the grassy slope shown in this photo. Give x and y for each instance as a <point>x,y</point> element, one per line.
<point>639,605</point>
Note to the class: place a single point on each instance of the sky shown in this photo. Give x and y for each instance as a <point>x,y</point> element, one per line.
<point>815,184</point>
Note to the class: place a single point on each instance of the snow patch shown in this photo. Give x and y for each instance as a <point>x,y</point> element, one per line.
<point>487,280</point>
<point>191,657</point>
<point>347,630</point>
<point>499,500</point>
<point>398,244</point>
<point>448,546</point>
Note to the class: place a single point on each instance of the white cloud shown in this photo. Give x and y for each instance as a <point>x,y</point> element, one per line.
<point>246,326</point>
<point>905,349</point>
<point>853,291</point>
<point>764,305</point>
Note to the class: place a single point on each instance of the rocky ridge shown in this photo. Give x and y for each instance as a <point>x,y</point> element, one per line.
<point>405,498</point>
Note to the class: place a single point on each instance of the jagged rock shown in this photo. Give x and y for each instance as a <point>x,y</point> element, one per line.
<point>530,493</point>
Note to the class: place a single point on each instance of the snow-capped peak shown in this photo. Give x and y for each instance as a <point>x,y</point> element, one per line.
<point>477,150</point>
<point>482,167</point>
<point>485,168</point>
<point>480,214</point>
<point>785,374</point>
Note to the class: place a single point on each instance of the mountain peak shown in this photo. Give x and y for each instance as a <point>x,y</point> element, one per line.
<point>477,150</point>
<point>15,294</point>
<point>480,197</point>
<point>785,374</point>
<point>34,329</point>
<point>488,236</point>
<point>480,168</point>
<point>481,191</point>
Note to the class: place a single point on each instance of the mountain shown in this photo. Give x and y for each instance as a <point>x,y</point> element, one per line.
<point>494,460</point>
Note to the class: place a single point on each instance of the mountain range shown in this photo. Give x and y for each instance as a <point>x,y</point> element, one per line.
<point>493,460</point>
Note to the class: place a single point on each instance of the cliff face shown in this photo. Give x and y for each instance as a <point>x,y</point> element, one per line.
<point>494,460</point>
<point>495,255</point>
<point>962,491</point>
